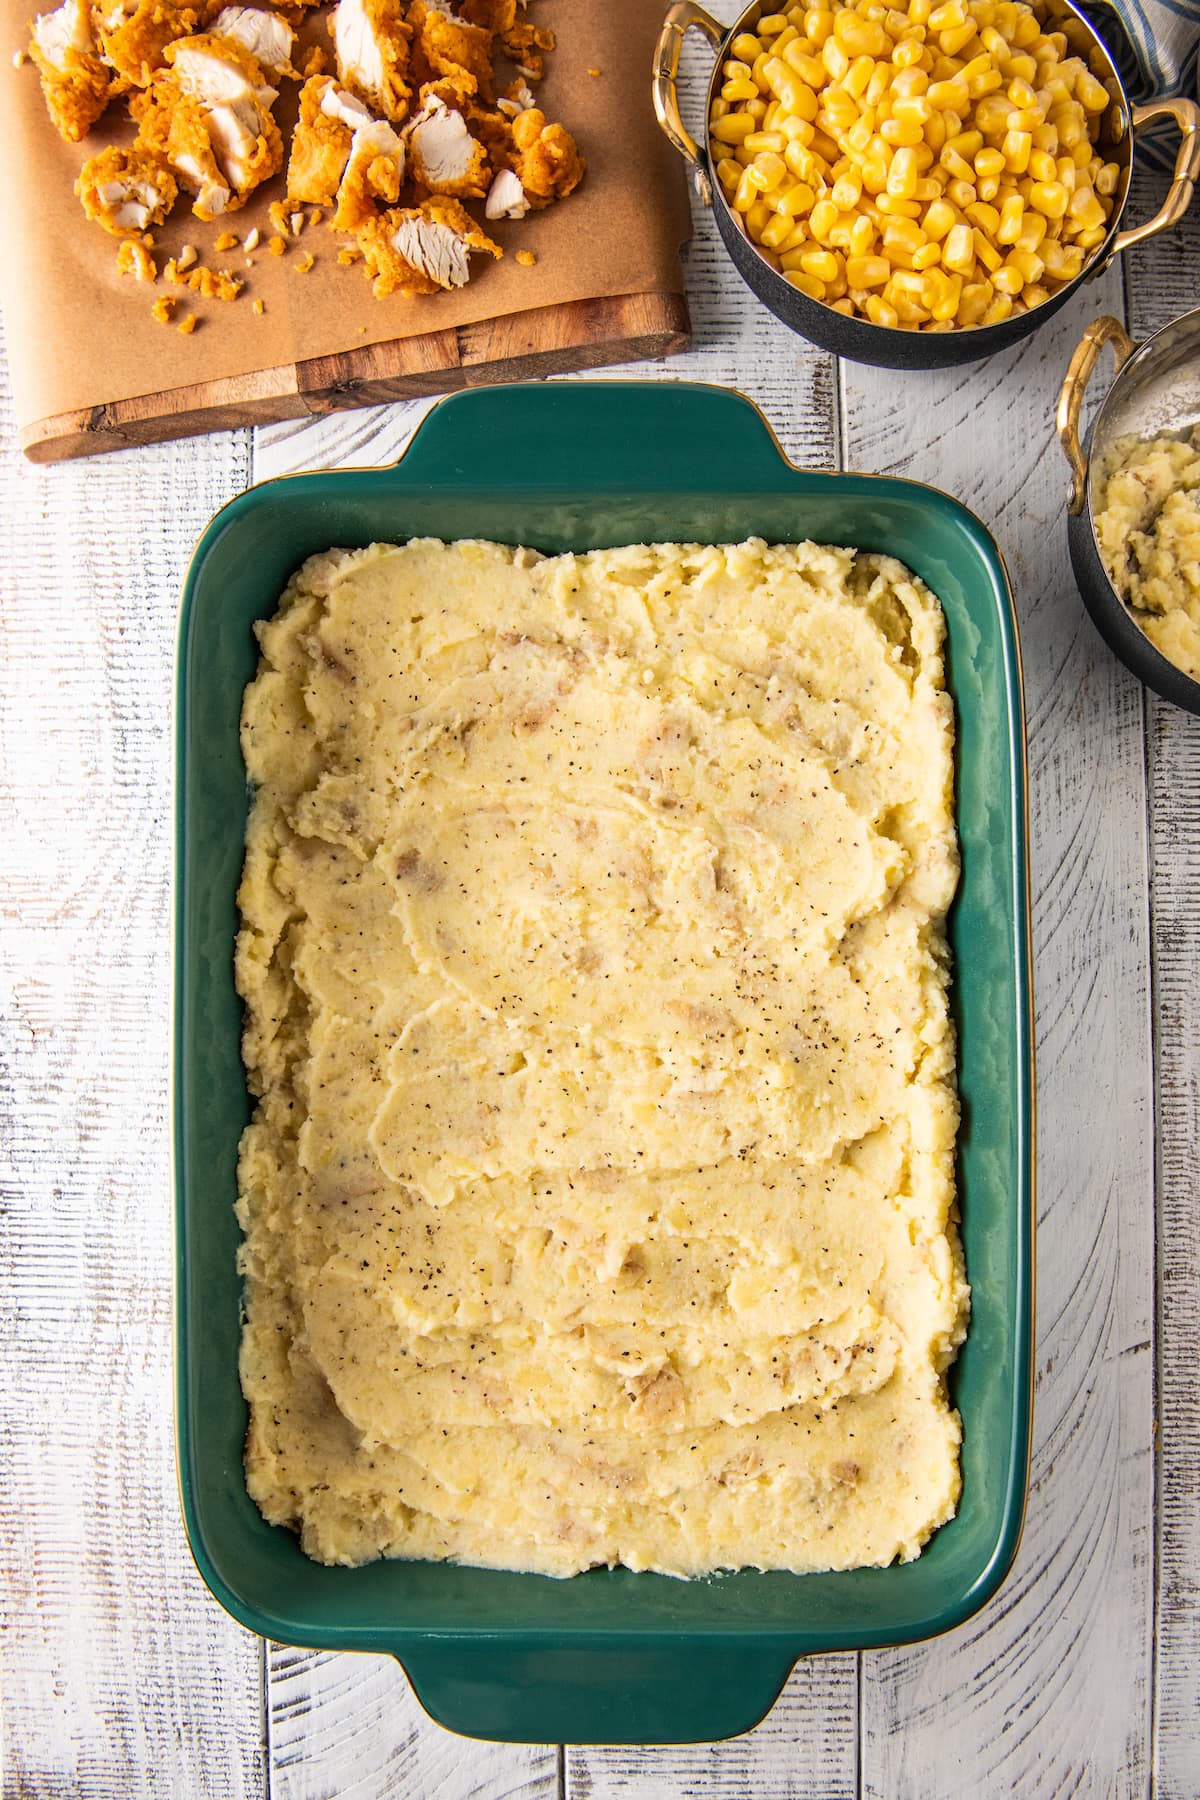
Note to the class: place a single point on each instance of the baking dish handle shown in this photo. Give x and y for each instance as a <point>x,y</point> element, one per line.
<point>681,16</point>
<point>1101,331</point>
<point>634,1692</point>
<point>589,437</point>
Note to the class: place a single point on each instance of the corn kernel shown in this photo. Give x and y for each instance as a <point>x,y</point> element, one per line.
<point>733,129</point>
<point>938,221</point>
<point>1092,94</point>
<point>746,47</point>
<point>777,231</point>
<point>989,161</point>
<point>862,236</point>
<point>956,165</point>
<point>1011,214</point>
<point>902,176</point>
<point>927,257</point>
<point>818,23</point>
<point>741,89</point>
<point>908,53</point>
<point>945,309</point>
<point>1017,147</point>
<point>746,195</point>
<point>758,141</point>
<point>847,191</point>
<point>758,217</point>
<point>771,24</point>
<point>880,313</point>
<point>867,271</point>
<point>729,173</point>
<point>958,252</point>
<point>807,284</point>
<point>796,201</point>
<point>1108,179</point>
<point>949,96</point>
<point>1049,198</point>
<point>973,302</point>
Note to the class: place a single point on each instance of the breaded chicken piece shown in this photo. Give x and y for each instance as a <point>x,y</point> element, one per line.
<point>266,35</point>
<point>515,99</point>
<point>422,249</point>
<point>342,155</point>
<point>526,45</point>
<point>126,190</point>
<point>443,156</point>
<point>445,46</point>
<point>373,173</point>
<point>76,83</point>
<point>496,16</point>
<point>371,38</point>
<point>134,34</point>
<point>209,115</point>
<point>321,142</point>
<point>545,159</point>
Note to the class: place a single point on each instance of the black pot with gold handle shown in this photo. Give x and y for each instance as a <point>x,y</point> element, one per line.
<point>1155,392</point>
<point>895,348</point>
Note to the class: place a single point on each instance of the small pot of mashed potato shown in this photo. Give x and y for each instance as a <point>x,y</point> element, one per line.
<point>1134,516</point>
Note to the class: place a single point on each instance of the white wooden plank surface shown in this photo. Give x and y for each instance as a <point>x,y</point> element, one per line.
<point>1032,1697</point>
<point>349,1726</point>
<point>121,1677</point>
<point>1162,283</point>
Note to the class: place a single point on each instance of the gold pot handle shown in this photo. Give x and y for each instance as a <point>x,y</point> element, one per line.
<point>1105,330</point>
<point>1186,115</point>
<point>681,16</point>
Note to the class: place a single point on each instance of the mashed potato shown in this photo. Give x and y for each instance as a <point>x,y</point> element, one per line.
<point>1148,530</point>
<point>599,1196</point>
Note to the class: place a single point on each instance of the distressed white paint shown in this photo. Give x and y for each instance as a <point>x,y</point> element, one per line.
<point>1030,1697</point>
<point>120,1677</point>
<point>1161,283</point>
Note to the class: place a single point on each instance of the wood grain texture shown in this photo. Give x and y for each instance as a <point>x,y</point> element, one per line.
<point>123,1678</point>
<point>343,1726</point>
<point>805,1749</point>
<point>548,340</point>
<point>1161,283</point>
<point>808,1746</point>
<point>1032,1697</point>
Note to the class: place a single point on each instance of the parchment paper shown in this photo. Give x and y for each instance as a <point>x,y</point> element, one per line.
<point>80,335</point>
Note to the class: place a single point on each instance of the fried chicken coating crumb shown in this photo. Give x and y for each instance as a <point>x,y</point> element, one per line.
<point>133,258</point>
<point>164,309</point>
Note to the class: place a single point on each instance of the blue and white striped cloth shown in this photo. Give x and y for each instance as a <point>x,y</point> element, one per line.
<point>1154,45</point>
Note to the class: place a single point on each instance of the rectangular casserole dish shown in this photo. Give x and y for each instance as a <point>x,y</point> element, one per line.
<point>609,1656</point>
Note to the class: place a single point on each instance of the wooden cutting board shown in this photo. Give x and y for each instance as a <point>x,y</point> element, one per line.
<point>551,340</point>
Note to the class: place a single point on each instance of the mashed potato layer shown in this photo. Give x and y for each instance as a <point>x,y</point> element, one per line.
<point>1148,529</point>
<point>598,1200</point>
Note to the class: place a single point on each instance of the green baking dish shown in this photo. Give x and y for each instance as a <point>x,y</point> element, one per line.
<point>609,1656</point>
